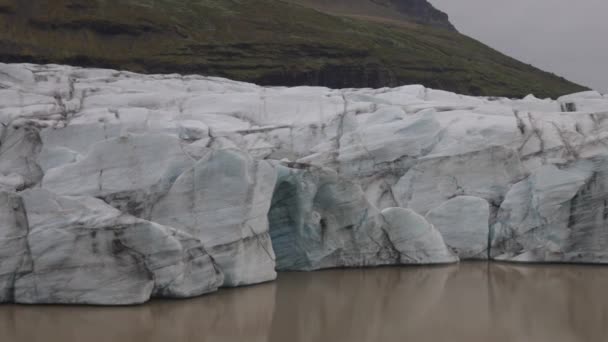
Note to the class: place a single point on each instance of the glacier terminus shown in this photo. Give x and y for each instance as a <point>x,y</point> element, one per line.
<point>117,187</point>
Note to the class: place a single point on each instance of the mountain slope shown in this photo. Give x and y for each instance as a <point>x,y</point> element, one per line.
<point>262,41</point>
<point>394,11</point>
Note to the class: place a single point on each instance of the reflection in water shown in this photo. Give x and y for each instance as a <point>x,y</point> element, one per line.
<point>476,302</point>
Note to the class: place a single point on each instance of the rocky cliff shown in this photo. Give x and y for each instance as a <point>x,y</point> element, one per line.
<point>116,187</point>
<point>421,11</point>
<point>393,11</point>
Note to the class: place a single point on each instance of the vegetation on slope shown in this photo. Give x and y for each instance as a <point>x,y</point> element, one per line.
<point>268,42</point>
<point>393,11</point>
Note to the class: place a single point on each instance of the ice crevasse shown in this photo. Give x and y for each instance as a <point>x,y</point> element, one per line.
<point>117,187</point>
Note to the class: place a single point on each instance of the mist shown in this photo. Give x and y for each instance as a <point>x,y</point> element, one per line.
<point>561,36</point>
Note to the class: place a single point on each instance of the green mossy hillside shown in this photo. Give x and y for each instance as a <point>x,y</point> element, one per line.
<point>261,41</point>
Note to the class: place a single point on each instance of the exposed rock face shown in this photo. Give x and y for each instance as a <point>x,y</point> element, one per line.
<point>116,187</point>
<point>407,11</point>
<point>423,12</point>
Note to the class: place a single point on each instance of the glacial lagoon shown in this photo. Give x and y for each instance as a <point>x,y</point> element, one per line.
<point>473,302</point>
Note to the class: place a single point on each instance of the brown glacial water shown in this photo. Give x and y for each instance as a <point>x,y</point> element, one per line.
<point>473,302</point>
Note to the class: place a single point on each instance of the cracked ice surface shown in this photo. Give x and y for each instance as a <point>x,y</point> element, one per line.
<point>116,187</point>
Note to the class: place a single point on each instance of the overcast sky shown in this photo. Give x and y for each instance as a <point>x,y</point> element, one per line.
<point>567,37</point>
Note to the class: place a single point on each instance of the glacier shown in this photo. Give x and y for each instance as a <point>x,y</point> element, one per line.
<point>117,187</point>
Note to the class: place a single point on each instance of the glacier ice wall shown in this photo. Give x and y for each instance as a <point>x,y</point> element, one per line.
<point>117,187</point>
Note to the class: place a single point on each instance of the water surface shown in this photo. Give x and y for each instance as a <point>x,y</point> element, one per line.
<point>473,302</point>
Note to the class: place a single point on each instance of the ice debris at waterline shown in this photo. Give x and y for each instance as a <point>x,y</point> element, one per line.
<point>117,187</point>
